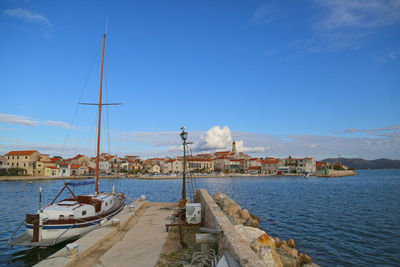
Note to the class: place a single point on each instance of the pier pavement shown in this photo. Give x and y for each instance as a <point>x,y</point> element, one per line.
<point>137,241</point>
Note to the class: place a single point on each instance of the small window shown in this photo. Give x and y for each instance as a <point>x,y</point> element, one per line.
<point>26,157</point>
<point>106,204</point>
<point>83,212</point>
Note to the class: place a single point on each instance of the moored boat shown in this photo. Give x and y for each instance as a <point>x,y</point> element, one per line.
<point>74,216</point>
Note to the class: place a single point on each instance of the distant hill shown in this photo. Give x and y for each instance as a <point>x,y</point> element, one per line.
<point>358,163</point>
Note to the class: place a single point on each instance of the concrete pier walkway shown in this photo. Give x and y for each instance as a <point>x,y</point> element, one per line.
<point>142,244</point>
<point>137,241</point>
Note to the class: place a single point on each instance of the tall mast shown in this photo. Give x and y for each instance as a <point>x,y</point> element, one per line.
<point>99,125</point>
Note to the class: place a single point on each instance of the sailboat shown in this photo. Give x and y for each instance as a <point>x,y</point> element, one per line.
<point>77,215</point>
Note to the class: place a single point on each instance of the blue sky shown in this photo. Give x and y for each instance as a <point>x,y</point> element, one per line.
<point>316,78</point>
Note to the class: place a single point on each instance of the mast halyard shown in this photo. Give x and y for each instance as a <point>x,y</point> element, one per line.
<point>99,125</point>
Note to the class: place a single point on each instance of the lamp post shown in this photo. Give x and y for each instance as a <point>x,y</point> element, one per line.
<point>184,135</point>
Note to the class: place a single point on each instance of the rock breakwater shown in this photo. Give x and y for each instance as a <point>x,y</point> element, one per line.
<point>268,249</point>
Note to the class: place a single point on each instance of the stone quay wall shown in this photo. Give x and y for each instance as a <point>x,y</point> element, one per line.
<point>229,241</point>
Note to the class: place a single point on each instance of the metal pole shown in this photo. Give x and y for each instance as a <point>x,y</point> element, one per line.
<point>99,125</point>
<point>184,173</point>
<point>40,199</point>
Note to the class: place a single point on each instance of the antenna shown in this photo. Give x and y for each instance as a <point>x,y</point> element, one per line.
<point>105,32</point>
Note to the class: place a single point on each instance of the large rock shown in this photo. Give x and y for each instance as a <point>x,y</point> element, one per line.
<point>288,250</point>
<point>234,212</point>
<point>262,241</point>
<point>286,259</point>
<point>291,243</point>
<point>304,258</point>
<point>244,214</point>
<point>248,234</point>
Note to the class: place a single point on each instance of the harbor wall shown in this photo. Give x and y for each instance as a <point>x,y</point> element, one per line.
<point>336,173</point>
<point>229,241</point>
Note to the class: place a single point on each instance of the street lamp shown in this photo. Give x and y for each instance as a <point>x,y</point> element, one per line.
<point>184,136</point>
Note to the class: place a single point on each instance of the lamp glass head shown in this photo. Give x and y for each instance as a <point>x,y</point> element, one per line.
<point>184,135</point>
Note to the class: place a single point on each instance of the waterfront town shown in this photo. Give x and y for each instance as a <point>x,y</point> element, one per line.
<point>34,163</point>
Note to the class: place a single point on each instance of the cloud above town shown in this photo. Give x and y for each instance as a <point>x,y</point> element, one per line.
<point>336,24</point>
<point>29,121</point>
<point>19,120</point>
<point>26,15</point>
<point>352,142</point>
<point>382,142</point>
<point>60,124</point>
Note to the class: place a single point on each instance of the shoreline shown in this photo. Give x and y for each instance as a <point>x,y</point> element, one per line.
<point>166,177</point>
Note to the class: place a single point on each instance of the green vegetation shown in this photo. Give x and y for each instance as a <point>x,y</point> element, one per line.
<point>12,172</point>
<point>172,253</point>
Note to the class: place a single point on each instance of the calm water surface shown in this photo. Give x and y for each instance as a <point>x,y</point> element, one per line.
<point>350,221</point>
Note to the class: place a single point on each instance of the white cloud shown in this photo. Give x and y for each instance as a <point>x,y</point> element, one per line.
<point>218,138</point>
<point>343,24</point>
<point>358,13</point>
<point>390,131</point>
<point>16,119</point>
<point>26,15</point>
<point>60,124</point>
<point>381,142</point>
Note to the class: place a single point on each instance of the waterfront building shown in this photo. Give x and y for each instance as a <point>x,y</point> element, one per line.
<point>114,164</point>
<point>39,166</point>
<point>254,170</point>
<point>270,166</point>
<point>104,166</point>
<point>299,165</point>
<point>3,162</point>
<point>79,169</point>
<point>82,160</point>
<point>134,165</point>
<point>51,171</point>
<point>177,165</point>
<point>200,165</point>
<point>44,157</point>
<point>152,168</point>
<point>64,169</point>
<point>23,159</point>
<point>221,164</point>
<point>236,165</point>
<point>166,166</point>
<point>253,162</point>
<point>131,158</point>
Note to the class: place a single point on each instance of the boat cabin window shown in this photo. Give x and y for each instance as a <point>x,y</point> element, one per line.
<point>83,212</point>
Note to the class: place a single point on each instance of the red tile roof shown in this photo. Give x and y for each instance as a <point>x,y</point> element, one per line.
<point>78,156</point>
<point>254,168</point>
<point>51,167</point>
<point>21,153</point>
<point>275,161</point>
<point>222,152</point>
<point>194,159</point>
<point>76,166</point>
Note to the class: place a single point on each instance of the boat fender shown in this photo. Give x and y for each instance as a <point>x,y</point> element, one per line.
<point>115,222</point>
<point>72,250</point>
<point>132,208</point>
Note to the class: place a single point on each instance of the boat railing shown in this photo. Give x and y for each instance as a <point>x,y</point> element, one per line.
<point>55,240</point>
<point>11,237</point>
